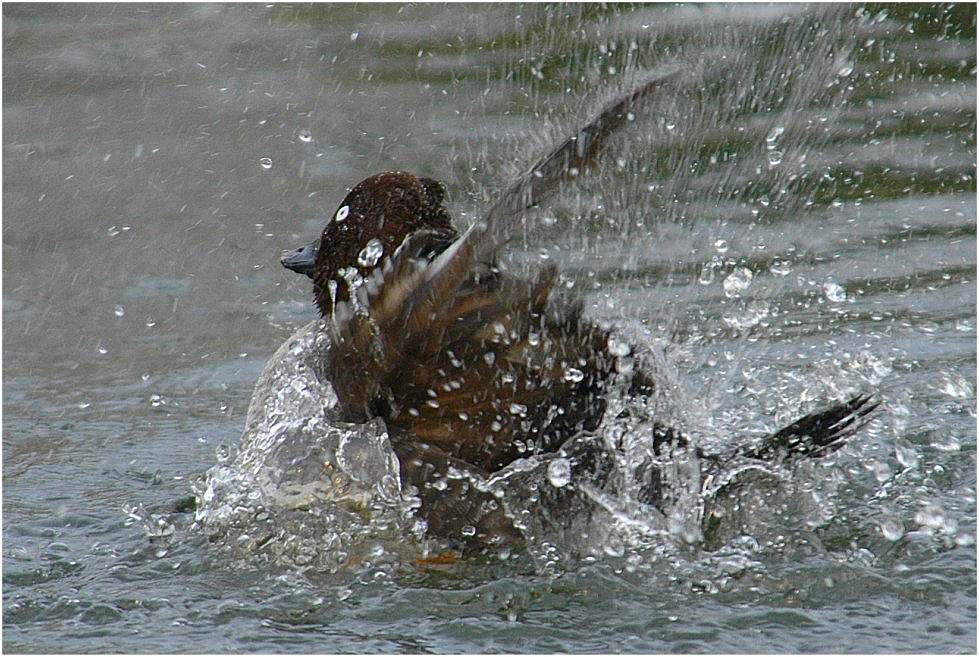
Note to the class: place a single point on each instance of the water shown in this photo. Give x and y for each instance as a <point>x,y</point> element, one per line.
<point>157,160</point>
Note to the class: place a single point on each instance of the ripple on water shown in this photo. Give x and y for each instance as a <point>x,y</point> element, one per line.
<point>155,286</point>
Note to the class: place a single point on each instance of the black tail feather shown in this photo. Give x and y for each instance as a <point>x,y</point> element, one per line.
<point>817,434</point>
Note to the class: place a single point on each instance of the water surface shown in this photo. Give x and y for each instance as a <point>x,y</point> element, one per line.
<point>158,158</point>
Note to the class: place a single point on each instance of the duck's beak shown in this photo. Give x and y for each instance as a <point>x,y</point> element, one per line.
<point>301,260</point>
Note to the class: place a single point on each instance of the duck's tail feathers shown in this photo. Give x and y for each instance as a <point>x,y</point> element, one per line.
<point>817,434</point>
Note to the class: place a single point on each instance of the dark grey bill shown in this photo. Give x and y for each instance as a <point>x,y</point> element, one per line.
<point>301,260</point>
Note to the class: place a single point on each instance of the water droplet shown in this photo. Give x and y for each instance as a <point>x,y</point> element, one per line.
<point>947,443</point>
<point>882,471</point>
<point>721,246</point>
<point>737,282</point>
<point>834,291</point>
<point>781,268</point>
<point>102,350</point>
<point>573,374</point>
<point>559,472</point>
<point>354,35</point>
<point>352,276</point>
<point>614,549</point>
<point>468,530</point>
<point>753,314</point>
<point>371,253</point>
<point>518,409</point>
<point>774,158</point>
<point>845,70</point>
<point>619,348</point>
<point>266,162</point>
<point>706,274</point>
<point>157,400</point>
<point>773,135</point>
<point>305,136</point>
<point>931,516</point>
<point>956,386</point>
<point>906,455</point>
<point>892,529</point>
<point>145,376</point>
<point>342,214</point>
<point>120,311</point>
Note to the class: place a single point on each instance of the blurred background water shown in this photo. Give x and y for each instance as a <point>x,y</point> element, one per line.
<point>814,233</point>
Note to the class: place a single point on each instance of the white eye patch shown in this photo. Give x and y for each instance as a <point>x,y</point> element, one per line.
<point>342,213</point>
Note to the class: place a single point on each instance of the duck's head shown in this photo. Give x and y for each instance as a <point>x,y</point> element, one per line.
<point>370,223</point>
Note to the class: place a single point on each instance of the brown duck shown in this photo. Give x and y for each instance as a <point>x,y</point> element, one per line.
<point>469,366</point>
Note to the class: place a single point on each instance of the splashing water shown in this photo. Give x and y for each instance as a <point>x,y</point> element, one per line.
<point>872,548</point>
<point>717,167</point>
<point>305,490</point>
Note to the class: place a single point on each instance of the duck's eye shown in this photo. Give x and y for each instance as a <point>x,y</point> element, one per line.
<point>342,213</point>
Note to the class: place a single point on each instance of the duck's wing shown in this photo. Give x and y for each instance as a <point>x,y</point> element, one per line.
<point>413,317</point>
<point>465,364</point>
<point>390,313</point>
<point>572,157</point>
<point>410,298</point>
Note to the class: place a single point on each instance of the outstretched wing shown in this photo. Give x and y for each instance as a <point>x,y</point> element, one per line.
<point>574,156</point>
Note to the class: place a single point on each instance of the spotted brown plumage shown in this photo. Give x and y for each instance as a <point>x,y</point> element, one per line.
<point>472,367</point>
<point>483,365</point>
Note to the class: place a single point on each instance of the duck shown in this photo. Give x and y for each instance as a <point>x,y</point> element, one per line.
<point>471,367</point>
